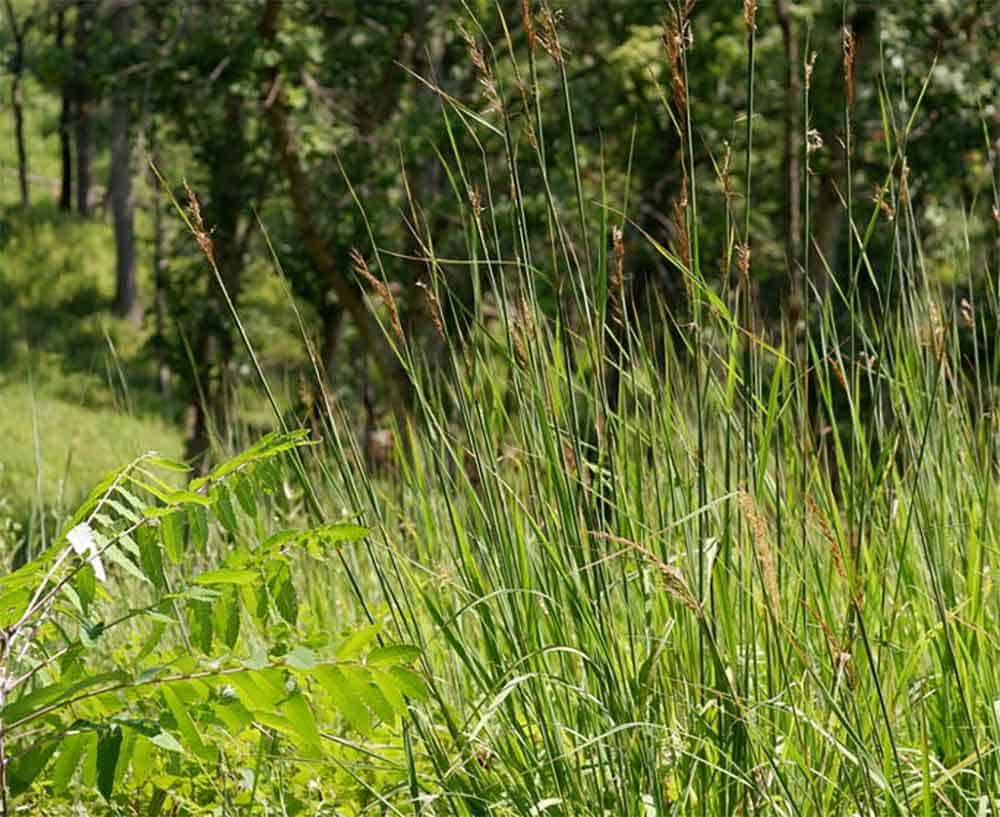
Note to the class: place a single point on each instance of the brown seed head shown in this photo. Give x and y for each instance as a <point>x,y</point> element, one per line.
<point>484,72</point>
<point>674,43</point>
<point>433,308</point>
<point>810,66</point>
<point>968,316</point>
<point>617,275</point>
<point>529,24</point>
<point>384,293</point>
<point>762,547</point>
<point>201,234</point>
<point>743,261</point>
<point>850,52</point>
<point>548,37</point>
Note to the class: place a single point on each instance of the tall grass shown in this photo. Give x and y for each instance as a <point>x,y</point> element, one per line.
<point>680,561</point>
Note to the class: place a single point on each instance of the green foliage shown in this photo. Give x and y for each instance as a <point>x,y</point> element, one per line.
<point>101,687</point>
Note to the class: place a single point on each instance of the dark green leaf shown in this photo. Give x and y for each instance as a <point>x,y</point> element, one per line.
<point>24,770</point>
<point>108,749</point>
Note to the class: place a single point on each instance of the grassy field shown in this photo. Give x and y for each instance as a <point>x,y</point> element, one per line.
<point>649,563</point>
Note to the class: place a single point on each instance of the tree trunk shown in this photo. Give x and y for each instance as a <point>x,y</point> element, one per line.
<point>83,105</point>
<point>17,99</point>
<point>793,99</point>
<point>318,248</point>
<point>159,278</point>
<point>65,145</point>
<point>126,303</point>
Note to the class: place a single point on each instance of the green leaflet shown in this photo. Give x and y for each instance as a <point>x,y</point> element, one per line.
<point>70,752</point>
<point>228,576</point>
<point>300,716</point>
<point>345,698</point>
<point>172,535</point>
<point>24,770</point>
<point>393,654</point>
<point>186,726</point>
<point>108,750</point>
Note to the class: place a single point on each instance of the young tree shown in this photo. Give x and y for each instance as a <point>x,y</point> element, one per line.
<point>83,101</point>
<point>126,304</point>
<point>65,120</point>
<point>18,31</point>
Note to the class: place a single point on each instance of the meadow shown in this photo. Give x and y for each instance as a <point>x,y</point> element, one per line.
<point>619,556</point>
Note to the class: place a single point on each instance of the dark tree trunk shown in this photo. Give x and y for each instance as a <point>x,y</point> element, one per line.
<point>65,144</point>
<point>83,105</point>
<point>18,31</point>
<point>793,98</point>
<point>159,278</point>
<point>321,252</point>
<point>126,303</point>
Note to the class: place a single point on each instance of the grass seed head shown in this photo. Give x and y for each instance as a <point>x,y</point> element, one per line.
<point>850,53</point>
<point>762,547</point>
<point>383,291</point>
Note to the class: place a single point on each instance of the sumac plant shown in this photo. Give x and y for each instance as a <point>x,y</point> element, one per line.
<point>134,654</point>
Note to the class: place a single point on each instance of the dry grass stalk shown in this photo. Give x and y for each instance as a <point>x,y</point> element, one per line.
<point>827,532</point>
<point>522,333</point>
<point>810,66</point>
<point>548,37</point>
<point>762,547</point>
<point>361,268</point>
<point>881,203</point>
<point>850,52</point>
<point>814,141</point>
<point>726,175</point>
<point>743,262</point>
<point>433,308</point>
<point>476,202</point>
<point>968,315</point>
<point>750,15</point>
<point>673,579</point>
<point>201,234</point>
<point>838,372</point>
<point>529,24</point>
<point>674,33</point>
<point>617,283</point>
<point>839,653</point>
<point>483,71</point>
